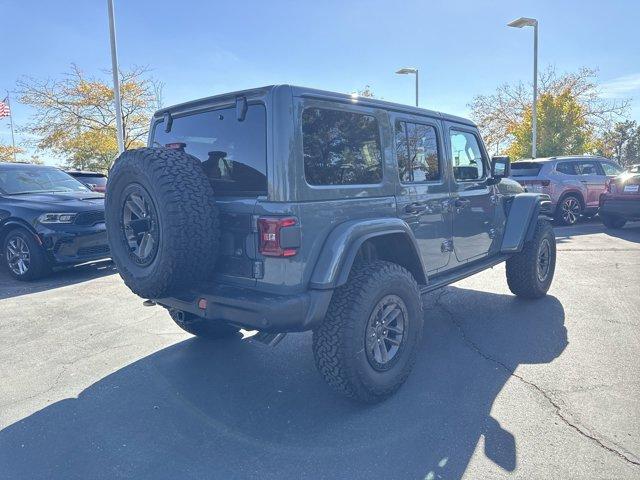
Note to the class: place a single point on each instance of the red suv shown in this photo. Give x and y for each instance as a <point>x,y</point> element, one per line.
<point>621,200</point>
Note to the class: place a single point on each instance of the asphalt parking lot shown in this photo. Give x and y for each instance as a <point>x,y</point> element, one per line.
<point>95,385</point>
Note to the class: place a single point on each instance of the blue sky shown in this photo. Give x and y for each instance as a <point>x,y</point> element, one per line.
<point>199,48</point>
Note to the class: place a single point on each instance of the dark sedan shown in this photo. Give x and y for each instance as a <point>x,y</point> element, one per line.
<point>48,220</point>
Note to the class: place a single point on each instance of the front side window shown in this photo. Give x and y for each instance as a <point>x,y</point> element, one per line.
<point>467,156</point>
<point>611,169</point>
<point>340,148</point>
<point>417,152</point>
<point>29,179</point>
<point>233,153</point>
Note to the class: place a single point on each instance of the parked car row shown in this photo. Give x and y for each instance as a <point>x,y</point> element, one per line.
<point>51,219</point>
<point>574,183</point>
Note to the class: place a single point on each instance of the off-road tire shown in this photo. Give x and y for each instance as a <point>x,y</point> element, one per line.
<point>201,327</point>
<point>611,221</point>
<point>522,268</point>
<point>187,220</point>
<point>339,342</point>
<point>38,264</point>
<point>559,210</point>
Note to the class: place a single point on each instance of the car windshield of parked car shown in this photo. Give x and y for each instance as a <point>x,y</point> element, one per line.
<point>18,181</point>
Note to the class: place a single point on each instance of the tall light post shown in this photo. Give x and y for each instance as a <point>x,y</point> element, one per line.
<point>532,22</point>
<point>407,71</point>
<point>116,78</point>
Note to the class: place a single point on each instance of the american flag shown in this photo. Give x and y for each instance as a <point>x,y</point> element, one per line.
<point>5,111</point>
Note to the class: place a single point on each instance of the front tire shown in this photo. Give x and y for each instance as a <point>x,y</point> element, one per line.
<point>530,272</point>
<point>23,256</point>
<point>201,327</point>
<point>367,344</point>
<point>614,222</point>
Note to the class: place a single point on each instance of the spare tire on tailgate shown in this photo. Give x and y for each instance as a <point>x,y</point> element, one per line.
<point>162,221</point>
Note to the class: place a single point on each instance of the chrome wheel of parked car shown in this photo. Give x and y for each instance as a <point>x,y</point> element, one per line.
<point>18,255</point>
<point>570,210</point>
<point>385,331</point>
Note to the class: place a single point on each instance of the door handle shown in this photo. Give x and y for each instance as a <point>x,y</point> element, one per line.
<point>415,208</point>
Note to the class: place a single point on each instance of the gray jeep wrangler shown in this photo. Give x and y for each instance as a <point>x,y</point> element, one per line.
<point>286,209</point>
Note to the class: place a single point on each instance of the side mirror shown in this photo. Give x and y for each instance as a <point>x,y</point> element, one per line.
<point>500,167</point>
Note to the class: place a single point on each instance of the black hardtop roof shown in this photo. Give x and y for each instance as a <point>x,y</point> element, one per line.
<point>317,94</point>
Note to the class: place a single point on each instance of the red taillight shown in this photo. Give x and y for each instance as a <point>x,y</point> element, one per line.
<point>270,231</point>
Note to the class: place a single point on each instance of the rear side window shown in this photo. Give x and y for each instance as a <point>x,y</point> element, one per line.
<point>340,148</point>
<point>525,169</point>
<point>587,168</point>
<point>467,156</point>
<point>568,168</point>
<point>233,153</point>
<point>417,152</point>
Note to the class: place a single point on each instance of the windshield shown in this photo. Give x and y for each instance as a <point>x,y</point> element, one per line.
<point>17,181</point>
<point>525,169</point>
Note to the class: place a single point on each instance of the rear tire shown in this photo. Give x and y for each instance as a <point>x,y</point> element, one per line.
<point>569,210</point>
<point>379,300</point>
<point>611,221</point>
<point>530,272</point>
<point>23,256</point>
<point>201,327</point>
<point>164,196</point>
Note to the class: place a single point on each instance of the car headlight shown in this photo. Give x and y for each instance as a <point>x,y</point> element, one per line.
<point>57,218</point>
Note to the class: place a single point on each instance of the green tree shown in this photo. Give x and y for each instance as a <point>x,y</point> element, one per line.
<point>621,142</point>
<point>562,128</point>
<point>75,115</point>
<point>570,114</point>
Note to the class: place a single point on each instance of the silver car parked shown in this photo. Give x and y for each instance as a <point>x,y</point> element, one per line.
<point>574,183</point>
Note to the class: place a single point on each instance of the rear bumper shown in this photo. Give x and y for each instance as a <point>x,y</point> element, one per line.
<point>253,309</point>
<point>628,208</point>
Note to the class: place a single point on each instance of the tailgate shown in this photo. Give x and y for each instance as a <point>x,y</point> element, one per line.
<point>237,239</point>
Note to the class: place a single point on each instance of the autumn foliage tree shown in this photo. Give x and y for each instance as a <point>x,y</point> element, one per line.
<point>75,116</point>
<point>571,115</point>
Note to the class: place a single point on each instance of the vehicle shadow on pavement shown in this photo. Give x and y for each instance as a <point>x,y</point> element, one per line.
<point>13,288</point>
<point>631,232</point>
<point>231,410</point>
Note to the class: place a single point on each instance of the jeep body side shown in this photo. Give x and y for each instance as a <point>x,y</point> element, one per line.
<point>439,230</point>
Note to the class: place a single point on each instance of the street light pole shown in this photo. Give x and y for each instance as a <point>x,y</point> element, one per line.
<point>534,110</point>
<point>116,77</point>
<point>532,22</point>
<point>408,70</point>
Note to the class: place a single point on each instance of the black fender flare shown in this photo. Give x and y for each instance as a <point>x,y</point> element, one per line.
<point>521,220</point>
<point>341,247</point>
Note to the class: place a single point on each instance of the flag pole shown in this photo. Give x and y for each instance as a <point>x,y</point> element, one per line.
<point>13,137</point>
<point>116,78</point>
